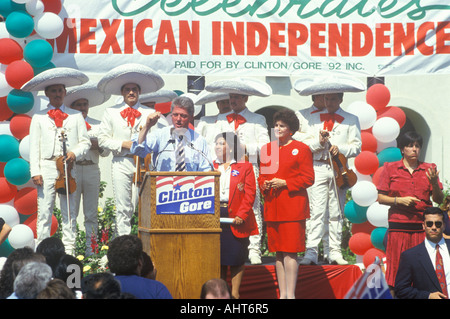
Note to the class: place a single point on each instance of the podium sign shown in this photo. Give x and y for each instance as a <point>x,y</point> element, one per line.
<point>179,225</point>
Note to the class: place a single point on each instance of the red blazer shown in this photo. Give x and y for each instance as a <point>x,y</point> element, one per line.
<point>293,163</point>
<point>241,199</point>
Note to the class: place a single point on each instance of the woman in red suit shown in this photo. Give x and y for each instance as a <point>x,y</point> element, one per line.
<point>237,194</point>
<point>285,173</point>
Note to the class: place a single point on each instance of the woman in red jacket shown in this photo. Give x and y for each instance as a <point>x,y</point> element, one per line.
<point>286,171</point>
<point>237,194</point>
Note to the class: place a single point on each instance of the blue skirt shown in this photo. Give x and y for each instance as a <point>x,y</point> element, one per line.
<point>233,250</point>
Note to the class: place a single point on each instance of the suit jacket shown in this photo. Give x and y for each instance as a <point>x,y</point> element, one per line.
<point>44,137</point>
<point>241,198</point>
<point>93,155</point>
<point>304,117</point>
<point>416,277</point>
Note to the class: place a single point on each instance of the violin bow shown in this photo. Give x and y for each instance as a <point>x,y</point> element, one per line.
<point>63,139</point>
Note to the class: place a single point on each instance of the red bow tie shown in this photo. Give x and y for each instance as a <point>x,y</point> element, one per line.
<point>329,119</point>
<point>238,119</point>
<point>58,116</point>
<point>88,126</point>
<point>130,114</point>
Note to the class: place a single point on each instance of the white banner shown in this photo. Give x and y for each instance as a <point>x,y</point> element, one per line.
<point>257,37</point>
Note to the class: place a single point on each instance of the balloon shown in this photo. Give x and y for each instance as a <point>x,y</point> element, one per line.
<point>54,6</point>
<point>364,193</point>
<point>365,113</point>
<point>390,154</point>
<point>8,6</point>
<point>163,107</point>
<point>366,162</point>
<point>6,249</point>
<point>20,101</point>
<point>9,215</point>
<point>394,112</point>
<point>20,126</point>
<point>25,201</point>
<point>365,227</point>
<point>11,51</point>
<point>18,73</point>
<point>368,142</point>
<point>9,148</point>
<point>377,214</point>
<point>35,7</point>
<point>386,129</point>
<point>381,145</point>
<point>21,1</point>
<point>369,256</point>
<point>38,53</point>
<point>361,177</point>
<point>378,96</point>
<point>2,166</point>
<point>17,171</point>
<point>377,237</point>
<point>5,88</point>
<point>48,25</point>
<point>376,176</point>
<point>24,148</point>
<point>355,213</point>
<point>360,243</point>
<point>21,236</point>
<point>4,130</point>
<point>5,111</point>
<point>48,66</point>
<point>19,24</point>
<point>31,222</point>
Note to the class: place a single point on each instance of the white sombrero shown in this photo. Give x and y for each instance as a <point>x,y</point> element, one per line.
<point>160,96</point>
<point>88,91</point>
<point>205,97</point>
<point>328,85</point>
<point>148,80</point>
<point>66,76</point>
<point>193,97</point>
<point>244,86</point>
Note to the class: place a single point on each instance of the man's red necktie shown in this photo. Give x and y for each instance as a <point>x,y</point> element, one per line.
<point>329,119</point>
<point>88,126</point>
<point>130,114</point>
<point>58,116</point>
<point>440,273</point>
<point>237,118</point>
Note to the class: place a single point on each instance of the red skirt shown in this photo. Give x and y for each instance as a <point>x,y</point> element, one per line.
<point>286,237</point>
<point>398,242</point>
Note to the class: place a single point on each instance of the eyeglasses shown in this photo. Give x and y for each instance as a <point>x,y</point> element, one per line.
<point>429,224</point>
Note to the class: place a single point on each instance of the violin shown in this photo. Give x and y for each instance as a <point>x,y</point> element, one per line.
<point>65,184</point>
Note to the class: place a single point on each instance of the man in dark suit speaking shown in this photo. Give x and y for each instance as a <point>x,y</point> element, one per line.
<point>424,270</point>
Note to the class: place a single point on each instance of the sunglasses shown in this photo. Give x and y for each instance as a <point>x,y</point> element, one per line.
<point>429,224</point>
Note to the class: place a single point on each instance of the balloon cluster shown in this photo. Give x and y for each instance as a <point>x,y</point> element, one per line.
<point>380,127</point>
<point>25,52</point>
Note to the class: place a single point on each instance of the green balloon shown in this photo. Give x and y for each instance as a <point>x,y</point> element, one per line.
<point>377,237</point>
<point>19,101</point>
<point>6,249</point>
<point>9,148</point>
<point>19,24</point>
<point>38,53</point>
<point>355,214</point>
<point>17,171</point>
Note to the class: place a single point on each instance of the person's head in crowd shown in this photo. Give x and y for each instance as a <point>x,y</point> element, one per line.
<point>215,288</point>
<point>125,255</point>
<point>100,286</point>
<point>53,249</point>
<point>227,146</point>
<point>56,289</point>
<point>433,224</point>
<point>148,268</point>
<point>410,145</point>
<point>182,112</point>
<point>66,269</point>
<point>31,280</point>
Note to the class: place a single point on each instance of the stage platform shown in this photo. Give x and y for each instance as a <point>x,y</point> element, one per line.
<point>314,282</point>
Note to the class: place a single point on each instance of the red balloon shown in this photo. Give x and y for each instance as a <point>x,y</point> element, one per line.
<point>20,126</point>
<point>395,112</point>
<point>31,222</point>
<point>5,111</point>
<point>378,96</point>
<point>7,190</point>
<point>25,201</point>
<point>2,166</point>
<point>360,243</point>
<point>376,175</point>
<point>11,51</point>
<point>54,6</point>
<point>369,256</point>
<point>368,142</point>
<point>366,162</point>
<point>18,73</point>
<point>365,227</point>
<point>163,107</point>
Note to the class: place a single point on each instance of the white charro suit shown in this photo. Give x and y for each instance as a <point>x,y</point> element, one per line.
<point>207,128</point>
<point>114,129</point>
<point>88,184</point>
<point>347,137</point>
<point>304,117</point>
<point>254,135</point>
<point>45,147</point>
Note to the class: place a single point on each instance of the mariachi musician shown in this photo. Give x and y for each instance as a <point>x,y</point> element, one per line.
<point>331,133</point>
<point>58,134</point>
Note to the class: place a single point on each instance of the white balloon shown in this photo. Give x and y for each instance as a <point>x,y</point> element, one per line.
<point>21,236</point>
<point>4,128</point>
<point>21,1</point>
<point>365,113</point>
<point>9,214</point>
<point>386,129</point>
<point>364,193</point>
<point>35,7</point>
<point>381,146</point>
<point>377,215</point>
<point>5,88</point>
<point>48,25</point>
<point>24,148</point>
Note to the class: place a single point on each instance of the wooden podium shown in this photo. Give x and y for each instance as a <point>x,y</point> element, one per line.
<point>185,244</point>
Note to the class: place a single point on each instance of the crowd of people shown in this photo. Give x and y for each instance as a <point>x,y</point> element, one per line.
<point>288,181</point>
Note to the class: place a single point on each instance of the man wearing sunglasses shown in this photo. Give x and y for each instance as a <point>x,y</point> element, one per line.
<point>424,270</point>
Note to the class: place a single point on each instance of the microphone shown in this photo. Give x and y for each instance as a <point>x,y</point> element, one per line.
<point>191,145</point>
<point>171,141</point>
